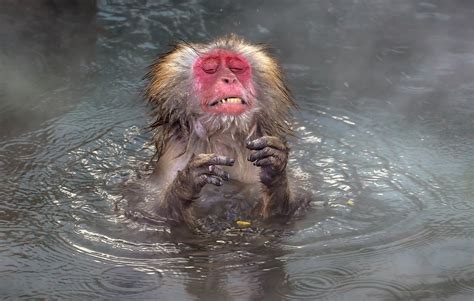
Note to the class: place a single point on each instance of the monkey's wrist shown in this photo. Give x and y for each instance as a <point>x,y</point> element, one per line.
<point>183,195</point>
<point>280,180</point>
<point>182,189</point>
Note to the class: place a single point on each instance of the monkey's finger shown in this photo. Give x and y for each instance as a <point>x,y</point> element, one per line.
<point>265,141</point>
<point>207,179</point>
<point>200,159</point>
<point>268,161</point>
<point>221,160</point>
<point>216,171</point>
<point>210,159</point>
<point>263,153</point>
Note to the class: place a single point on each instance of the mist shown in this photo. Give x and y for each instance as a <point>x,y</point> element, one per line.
<point>384,135</point>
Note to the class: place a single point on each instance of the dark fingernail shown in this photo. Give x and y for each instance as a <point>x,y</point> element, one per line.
<point>232,161</point>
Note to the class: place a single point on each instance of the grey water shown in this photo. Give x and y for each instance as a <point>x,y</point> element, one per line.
<point>385,133</point>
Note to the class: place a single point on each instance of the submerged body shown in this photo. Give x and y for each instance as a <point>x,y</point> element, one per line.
<point>221,119</point>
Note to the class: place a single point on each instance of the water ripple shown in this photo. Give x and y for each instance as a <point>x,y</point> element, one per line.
<point>463,279</point>
<point>129,279</point>
<point>318,283</point>
<point>371,290</point>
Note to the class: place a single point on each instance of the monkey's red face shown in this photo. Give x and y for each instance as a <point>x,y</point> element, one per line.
<point>223,82</point>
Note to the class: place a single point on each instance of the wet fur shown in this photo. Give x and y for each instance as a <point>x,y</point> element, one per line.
<point>169,92</point>
<point>181,129</point>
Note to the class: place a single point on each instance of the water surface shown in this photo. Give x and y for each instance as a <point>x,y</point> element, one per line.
<point>385,133</point>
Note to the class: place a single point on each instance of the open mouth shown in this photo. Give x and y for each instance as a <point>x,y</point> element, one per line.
<point>228,100</point>
<point>228,105</point>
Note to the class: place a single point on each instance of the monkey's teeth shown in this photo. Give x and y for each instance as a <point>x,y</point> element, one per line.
<point>231,100</point>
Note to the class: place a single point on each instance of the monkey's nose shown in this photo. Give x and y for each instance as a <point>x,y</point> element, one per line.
<point>229,79</point>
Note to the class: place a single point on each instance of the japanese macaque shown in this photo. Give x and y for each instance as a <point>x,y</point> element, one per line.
<point>221,117</point>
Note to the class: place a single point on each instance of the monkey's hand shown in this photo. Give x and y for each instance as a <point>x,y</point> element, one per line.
<point>271,154</point>
<point>201,169</point>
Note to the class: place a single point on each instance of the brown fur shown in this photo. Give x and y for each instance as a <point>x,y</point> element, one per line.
<point>170,78</point>
<point>181,129</point>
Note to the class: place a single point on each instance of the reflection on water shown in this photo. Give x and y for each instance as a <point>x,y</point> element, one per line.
<point>385,135</point>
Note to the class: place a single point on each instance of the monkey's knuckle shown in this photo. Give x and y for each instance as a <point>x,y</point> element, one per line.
<point>201,180</point>
<point>219,172</point>
<point>213,180</point>
<point>219,159</point>
<point>273,161</point>
<point>267,151</point>
<point>216,159</point>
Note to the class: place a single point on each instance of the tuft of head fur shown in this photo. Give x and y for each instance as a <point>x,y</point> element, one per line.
<point>177,116</point>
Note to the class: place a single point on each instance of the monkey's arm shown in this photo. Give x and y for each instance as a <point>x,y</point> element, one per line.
<point>201,169</point>
<point>271,154</point>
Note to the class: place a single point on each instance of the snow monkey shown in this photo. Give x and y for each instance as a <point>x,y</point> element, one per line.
<point>221,116</point>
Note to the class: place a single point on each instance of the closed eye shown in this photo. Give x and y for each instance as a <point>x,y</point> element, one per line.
<point>210,70</point>
<point>210,65</point>
<point>236,65</point>
<point>237,70</point>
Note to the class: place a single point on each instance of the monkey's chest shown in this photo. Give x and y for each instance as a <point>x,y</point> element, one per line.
<point>226,204</point>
